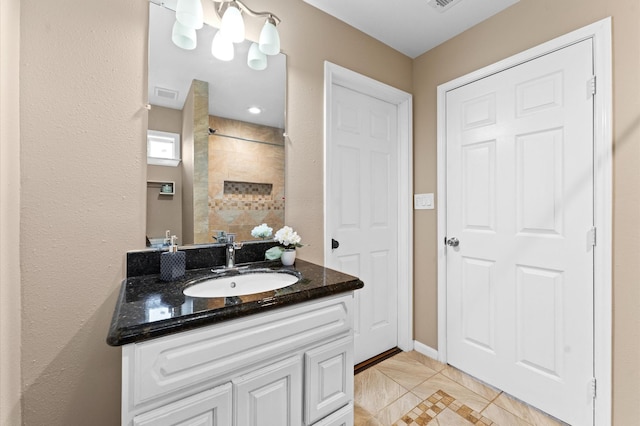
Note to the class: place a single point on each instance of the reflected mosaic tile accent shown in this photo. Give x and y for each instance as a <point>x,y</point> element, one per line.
<point>247,196</point>
<point>247,190</point>
<point>429,409</point>
<point>247,205</point>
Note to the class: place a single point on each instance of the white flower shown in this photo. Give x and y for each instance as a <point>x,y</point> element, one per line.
<point>262,231</point>
<point>287,236</point>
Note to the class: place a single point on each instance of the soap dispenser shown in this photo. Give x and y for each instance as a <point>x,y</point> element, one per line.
<point>172,263</point>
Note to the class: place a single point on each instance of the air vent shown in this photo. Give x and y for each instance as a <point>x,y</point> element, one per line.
<point>442,5</point>
<point>166,93</point>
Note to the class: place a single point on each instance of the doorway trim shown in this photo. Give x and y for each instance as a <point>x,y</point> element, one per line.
<point>600,33</point>
<point>335,74</point>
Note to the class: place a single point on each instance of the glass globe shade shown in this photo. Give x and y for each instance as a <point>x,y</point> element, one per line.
<point>269,39</point>
<point>221,47</point>
<point>256,59</point>
<point>190,13</point>
<point>184,37</point>
<point>232,25</point>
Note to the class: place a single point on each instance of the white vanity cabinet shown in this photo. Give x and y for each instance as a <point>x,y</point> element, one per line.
<point>342,417</point>
<point>329,378</point>
<point>271,395</point>
<point>211,407</point>
<point>292,366</point>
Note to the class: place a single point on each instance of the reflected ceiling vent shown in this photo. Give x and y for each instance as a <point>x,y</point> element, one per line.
<point>168,94</point>
<point>442,5</point>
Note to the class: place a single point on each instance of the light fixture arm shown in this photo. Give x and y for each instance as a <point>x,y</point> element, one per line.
<point>219,7</point>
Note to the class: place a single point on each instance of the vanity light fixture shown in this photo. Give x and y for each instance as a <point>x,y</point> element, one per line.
<point>232,26</point>
<point>190,17</point>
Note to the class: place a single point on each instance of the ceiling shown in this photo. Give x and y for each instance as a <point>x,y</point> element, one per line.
<point>409,26</point>
<point>412,26</point>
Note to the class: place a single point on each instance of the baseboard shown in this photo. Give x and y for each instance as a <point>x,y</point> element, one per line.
<point>358,368</point>
<point>425,350</point>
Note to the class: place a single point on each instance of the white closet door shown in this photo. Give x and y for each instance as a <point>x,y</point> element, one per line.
<point>520,203</point>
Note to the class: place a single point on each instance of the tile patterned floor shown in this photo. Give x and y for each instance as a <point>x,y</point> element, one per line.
<point>411,389</point>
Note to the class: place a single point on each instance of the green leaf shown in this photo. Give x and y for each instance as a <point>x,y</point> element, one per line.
<point>273,253</point>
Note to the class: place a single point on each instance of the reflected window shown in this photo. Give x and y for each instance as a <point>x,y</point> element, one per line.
<point>163,148</point>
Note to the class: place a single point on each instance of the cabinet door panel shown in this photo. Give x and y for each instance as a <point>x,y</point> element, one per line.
<point>208,408</point>
<point>329,378</point>
<point>342,417</point>
<point>271,395</point>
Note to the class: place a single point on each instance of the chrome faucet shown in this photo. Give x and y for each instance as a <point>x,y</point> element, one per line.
<point>232,246</point>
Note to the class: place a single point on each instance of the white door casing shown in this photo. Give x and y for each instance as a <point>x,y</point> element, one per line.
<point>387,260</point>
<point>599,35</point>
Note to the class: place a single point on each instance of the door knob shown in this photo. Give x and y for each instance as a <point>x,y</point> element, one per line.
<point>453,242</point>
<point>334,244</point>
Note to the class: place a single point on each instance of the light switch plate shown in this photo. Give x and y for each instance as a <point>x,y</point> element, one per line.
<point>423,201</point>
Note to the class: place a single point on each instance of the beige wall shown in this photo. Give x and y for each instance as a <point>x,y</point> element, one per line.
<point>83,166</point>
<point>164,211</point>
<point>83,178</point>
<point>165,119</point>
<point>524,25</point>
<point>83,63</point>
<point>309,38</point>
<point>10,305</point>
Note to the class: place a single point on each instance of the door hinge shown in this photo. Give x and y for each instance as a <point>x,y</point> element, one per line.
<point>593,387</point>
<point>591,237</point>
<point>591,86</point>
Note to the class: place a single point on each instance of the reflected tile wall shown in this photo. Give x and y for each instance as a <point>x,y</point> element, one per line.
<point>200,159</point>
<point>246,178</point>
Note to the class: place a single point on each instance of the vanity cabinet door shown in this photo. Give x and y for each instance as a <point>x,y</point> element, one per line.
<point>208,408</point>
<point>329,378</point>
<point>342,417</point>
<point>271,395</point>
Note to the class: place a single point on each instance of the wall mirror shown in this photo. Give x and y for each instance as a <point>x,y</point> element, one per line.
<point>231,174</point>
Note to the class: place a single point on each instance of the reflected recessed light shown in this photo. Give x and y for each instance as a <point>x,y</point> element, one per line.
<point>254,110</point>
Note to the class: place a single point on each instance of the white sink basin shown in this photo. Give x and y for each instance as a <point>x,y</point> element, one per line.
<point>239,285</point>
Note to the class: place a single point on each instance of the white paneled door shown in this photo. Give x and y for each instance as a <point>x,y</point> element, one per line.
<point>362,210</point>
<point>520,231</point>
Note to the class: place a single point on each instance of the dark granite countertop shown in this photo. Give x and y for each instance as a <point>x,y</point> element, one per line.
<point>149,308</point>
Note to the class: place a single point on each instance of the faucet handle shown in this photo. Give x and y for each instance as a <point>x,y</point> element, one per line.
<point>231,241</point>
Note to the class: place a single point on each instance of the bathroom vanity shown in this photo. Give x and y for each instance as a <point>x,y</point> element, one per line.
<point>278,358</point>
